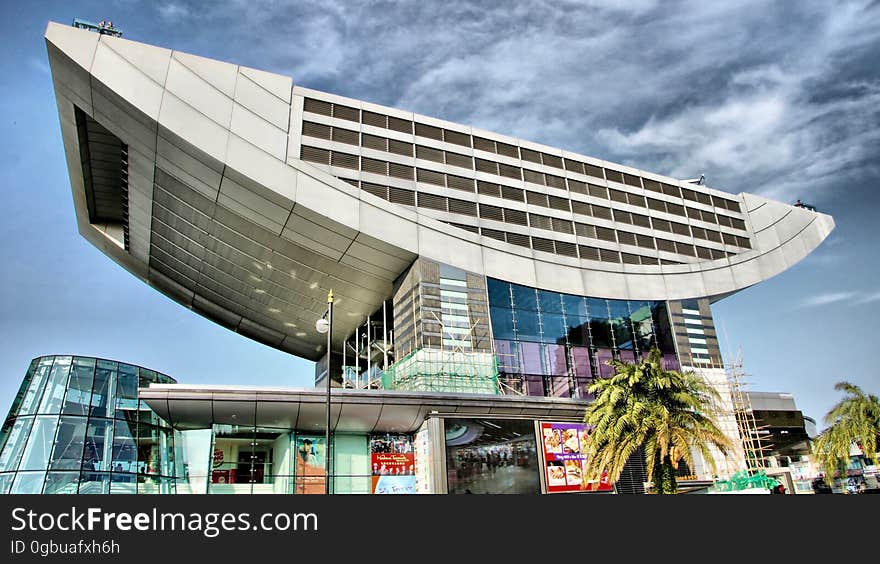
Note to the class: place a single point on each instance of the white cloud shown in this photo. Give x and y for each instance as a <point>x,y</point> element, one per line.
<point>172,11</point>
<point>780,99</point>
<point>828,298</point>
<point>869,298</point>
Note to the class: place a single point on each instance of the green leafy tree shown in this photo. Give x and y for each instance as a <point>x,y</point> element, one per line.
<point>668,412</point>
<point>854,420</point>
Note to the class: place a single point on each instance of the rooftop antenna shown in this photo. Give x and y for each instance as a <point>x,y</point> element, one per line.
<point>104,27</point>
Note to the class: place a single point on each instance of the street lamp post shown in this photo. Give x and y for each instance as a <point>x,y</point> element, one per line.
<point>325,325</point>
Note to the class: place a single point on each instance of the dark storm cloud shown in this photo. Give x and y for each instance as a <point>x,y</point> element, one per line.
<point>780,99</point>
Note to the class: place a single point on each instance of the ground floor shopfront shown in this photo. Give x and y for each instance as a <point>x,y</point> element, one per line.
<point>253,441</point>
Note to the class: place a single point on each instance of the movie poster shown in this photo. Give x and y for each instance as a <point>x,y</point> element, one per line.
<point>393,464</point>
<point>309,461</point>
<point>564,446</point>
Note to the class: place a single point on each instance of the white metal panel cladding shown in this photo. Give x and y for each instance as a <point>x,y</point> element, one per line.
<point>251,236</point>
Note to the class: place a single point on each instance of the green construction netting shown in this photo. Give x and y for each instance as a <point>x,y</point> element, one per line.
<point>434,370</point>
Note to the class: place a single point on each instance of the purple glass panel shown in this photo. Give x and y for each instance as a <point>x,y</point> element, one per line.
<point>670,362</point>
<point>602,357</point>
<point>581,385</point>
<point>534,385</point>
<point>627,356</point>
<point>555,361</point>
<point>581,358</point>
<point>560,387</point>
<point>531,361</point>
<point>512,384</point>
<point>508,358</point>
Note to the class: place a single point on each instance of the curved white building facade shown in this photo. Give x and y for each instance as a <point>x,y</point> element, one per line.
<point>246,198</point>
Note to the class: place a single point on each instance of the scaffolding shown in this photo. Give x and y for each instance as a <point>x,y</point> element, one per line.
<point>749,431</point>
<point>437,370</point>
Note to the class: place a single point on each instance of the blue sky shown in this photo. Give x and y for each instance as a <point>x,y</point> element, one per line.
<point>780,100</point>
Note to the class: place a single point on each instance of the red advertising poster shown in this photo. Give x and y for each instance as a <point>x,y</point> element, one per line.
<point>564,446</point>
<point>393,464</point>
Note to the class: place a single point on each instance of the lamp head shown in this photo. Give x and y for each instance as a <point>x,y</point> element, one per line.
<point>322,325</point>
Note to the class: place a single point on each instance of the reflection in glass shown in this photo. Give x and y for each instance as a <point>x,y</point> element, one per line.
<point>553,328</point>
<point>494,456</point>
<point>525,298</point>
<point>527,326</point>
<point>6,482</point>
<point>97,453</point>
<point>28,483</point>
<point>550,302</point>
<point>15,444</point>
<point>35,390</point>
<point>56,385</point>
<point>94,482</point>
<point>79,390</point>
<point>102,391</point>
<point>499,293</point>
<point>36,453</point>
<point>61,483</point>
<point>69,442</point>
<point>502,323</point>
<point>124,458</point>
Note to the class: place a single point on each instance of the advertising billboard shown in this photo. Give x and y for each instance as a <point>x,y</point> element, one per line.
<point>393,464</point>
<point>564,445</point>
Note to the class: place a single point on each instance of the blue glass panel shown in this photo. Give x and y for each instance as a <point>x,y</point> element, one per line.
<point>502,323</point>
<point>597,308</point>
<point>600,333</point>
<point>550,302</point>
<point>525,298</point>
<point>499,293</point>
<point>578,330</point>
<point>527,328</point>
<point>553,327</point>
<point>574,305</point>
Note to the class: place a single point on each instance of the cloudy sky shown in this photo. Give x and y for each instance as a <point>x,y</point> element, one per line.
<point>780,99</point>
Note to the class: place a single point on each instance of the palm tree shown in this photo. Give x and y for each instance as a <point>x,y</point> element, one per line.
<point>855,419</point>
<point>666,411</point>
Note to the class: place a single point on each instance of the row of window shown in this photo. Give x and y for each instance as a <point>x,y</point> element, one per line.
<point>406,172</point>
<point>537,221</point>
<point>497,213</point>
<point>488,145</point>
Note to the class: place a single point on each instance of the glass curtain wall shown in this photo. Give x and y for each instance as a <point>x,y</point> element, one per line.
<point>77,426</point>
<point>553,344</point>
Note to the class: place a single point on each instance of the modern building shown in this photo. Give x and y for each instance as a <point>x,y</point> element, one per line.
<point>76,425</point>
<point>469,268</point>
